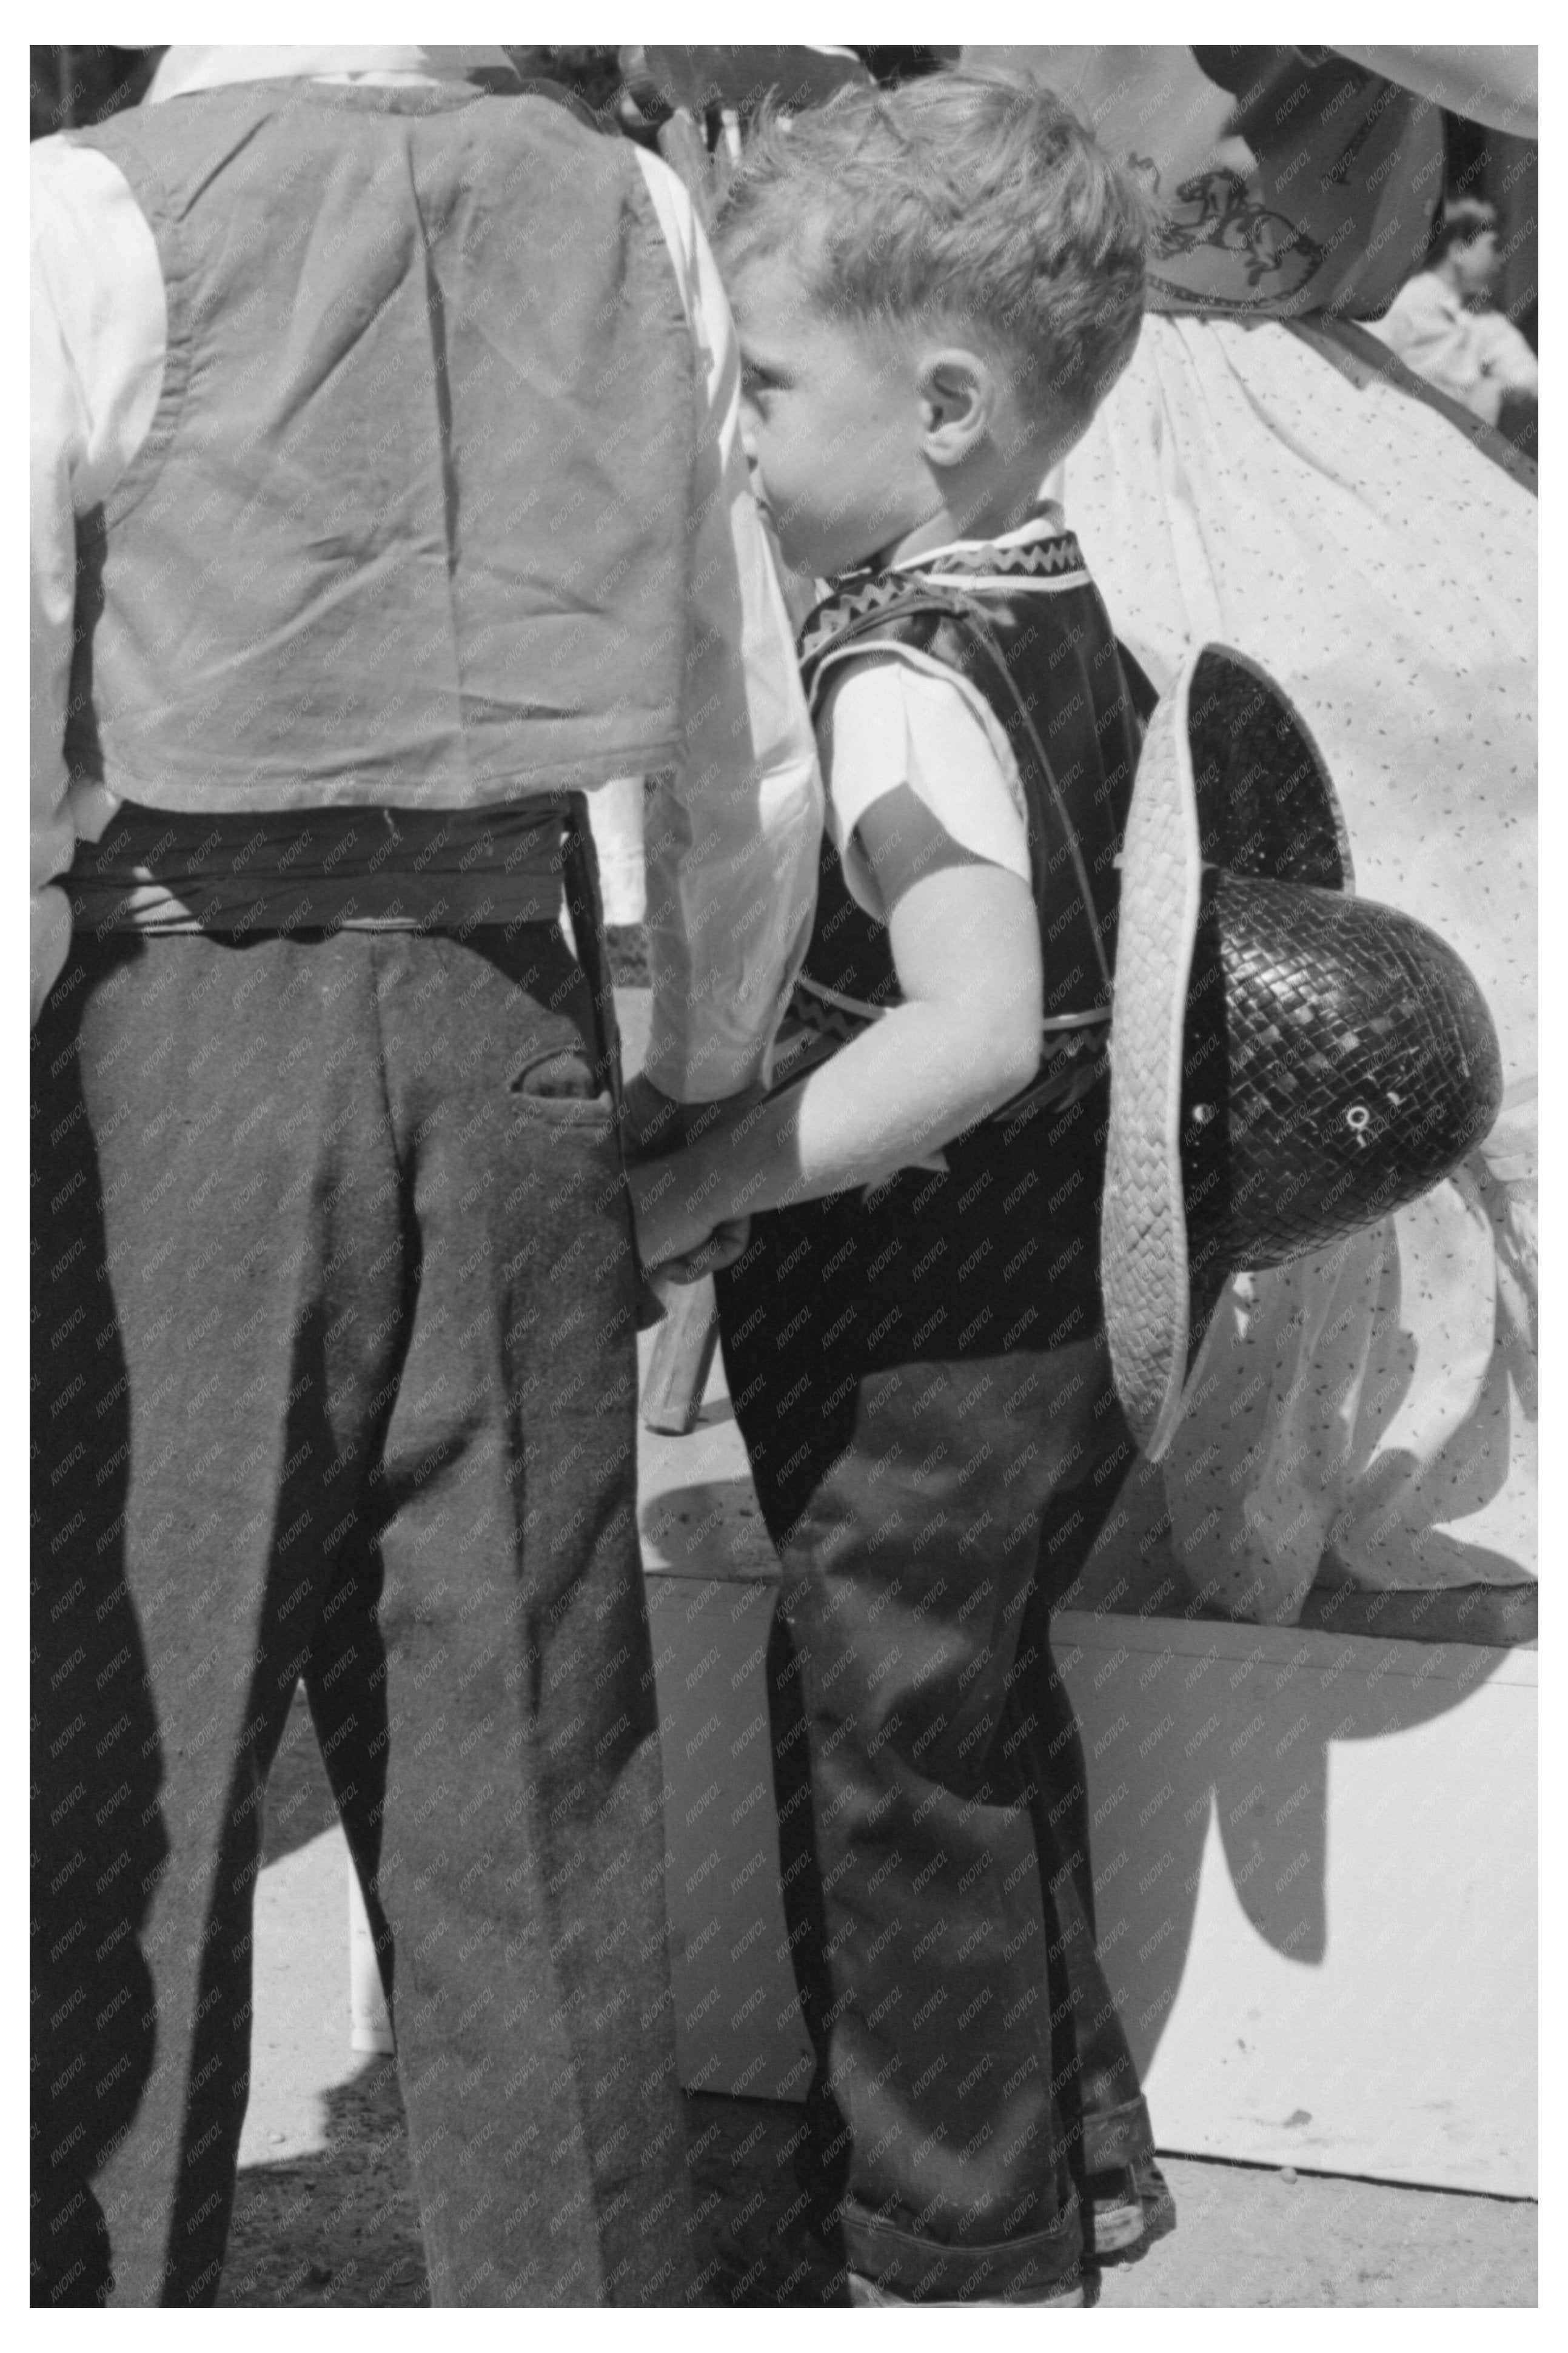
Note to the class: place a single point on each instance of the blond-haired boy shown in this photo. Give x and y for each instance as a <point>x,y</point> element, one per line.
<point>933,290</point>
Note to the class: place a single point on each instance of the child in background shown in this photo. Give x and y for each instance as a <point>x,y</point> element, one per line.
<point>933,290</point>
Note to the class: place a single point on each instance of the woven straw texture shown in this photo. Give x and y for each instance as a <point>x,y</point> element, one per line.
<point>1288,1064</point>
<point>1143,1236</point>
<point>1361,1065</point>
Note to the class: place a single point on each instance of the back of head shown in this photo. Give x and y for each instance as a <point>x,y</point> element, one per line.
<point>974,199</point>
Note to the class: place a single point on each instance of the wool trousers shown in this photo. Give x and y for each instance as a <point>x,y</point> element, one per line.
<point>334,1379</point>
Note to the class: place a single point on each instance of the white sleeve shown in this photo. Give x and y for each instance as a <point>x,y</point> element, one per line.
<point>1414,319</point>
<point>893,719</point>
<point>1505,354</point>
<point>732,836</point>
<point>1420,328</point>
<point>98,341</point>
<point>56,438</point>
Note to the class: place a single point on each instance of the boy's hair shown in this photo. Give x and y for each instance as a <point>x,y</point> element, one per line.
<point>1465,218</point>
<point>971,195</point>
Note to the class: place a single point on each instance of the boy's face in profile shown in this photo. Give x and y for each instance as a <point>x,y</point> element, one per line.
<point>831,417</point>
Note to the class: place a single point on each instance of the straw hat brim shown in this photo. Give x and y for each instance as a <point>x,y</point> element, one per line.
<point>1157,1306</point>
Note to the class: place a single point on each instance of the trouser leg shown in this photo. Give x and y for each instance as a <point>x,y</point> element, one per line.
<point>1107,2116</point>
<point>491,1728</point>
<point>98,1840</point>
<point>924,1953</point>
<point>189,1370</point>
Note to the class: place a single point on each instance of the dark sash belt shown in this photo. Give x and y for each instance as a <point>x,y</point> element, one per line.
<point>370,869</point>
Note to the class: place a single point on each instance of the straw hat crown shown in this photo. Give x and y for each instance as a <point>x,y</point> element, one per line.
<point>1288,1062</point>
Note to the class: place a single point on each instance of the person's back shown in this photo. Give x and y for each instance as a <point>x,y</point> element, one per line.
<point>384,487</point>
<point>418,486</point>
<point>933,291</point>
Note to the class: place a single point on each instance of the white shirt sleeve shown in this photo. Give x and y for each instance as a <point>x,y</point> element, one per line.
<point>1422,318</point>
<point>1506,358</point>
<point>732,834</point>
<point>98,339</point>
<point>893,718</point>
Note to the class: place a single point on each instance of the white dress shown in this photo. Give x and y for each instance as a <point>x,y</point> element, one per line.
<point>1268,485</point>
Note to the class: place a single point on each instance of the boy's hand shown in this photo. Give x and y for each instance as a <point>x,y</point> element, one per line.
<point>722,1248</point>
<point>655,1124</point>
<point>678,1235</point>
<point>649,1119</point>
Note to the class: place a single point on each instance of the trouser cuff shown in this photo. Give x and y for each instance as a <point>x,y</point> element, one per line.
<point>925,2271</point>
<point>1117,2137</point>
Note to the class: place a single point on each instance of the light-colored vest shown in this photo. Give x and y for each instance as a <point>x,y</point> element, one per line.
<point>412,522</point>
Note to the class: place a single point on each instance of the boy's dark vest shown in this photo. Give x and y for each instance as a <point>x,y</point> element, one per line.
<point>1044,658</point>
<point>411,525</point>
<point>1044,661</point>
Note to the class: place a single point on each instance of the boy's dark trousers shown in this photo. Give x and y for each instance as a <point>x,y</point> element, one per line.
<point>972,2077</point>
<point>334,1377</point>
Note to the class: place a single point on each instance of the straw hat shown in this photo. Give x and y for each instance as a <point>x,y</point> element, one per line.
<point>1288,1063</point>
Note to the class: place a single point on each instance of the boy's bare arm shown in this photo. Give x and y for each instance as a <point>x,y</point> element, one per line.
<point>966,944</point>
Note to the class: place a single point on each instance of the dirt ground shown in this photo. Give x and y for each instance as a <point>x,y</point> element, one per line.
<point>326,2216</point>
<point>340,2227</point>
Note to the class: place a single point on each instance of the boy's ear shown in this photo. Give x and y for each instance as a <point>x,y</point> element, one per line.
<point>958,391</point>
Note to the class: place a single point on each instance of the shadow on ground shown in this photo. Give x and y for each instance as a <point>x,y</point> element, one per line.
<point>341,2226</point>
